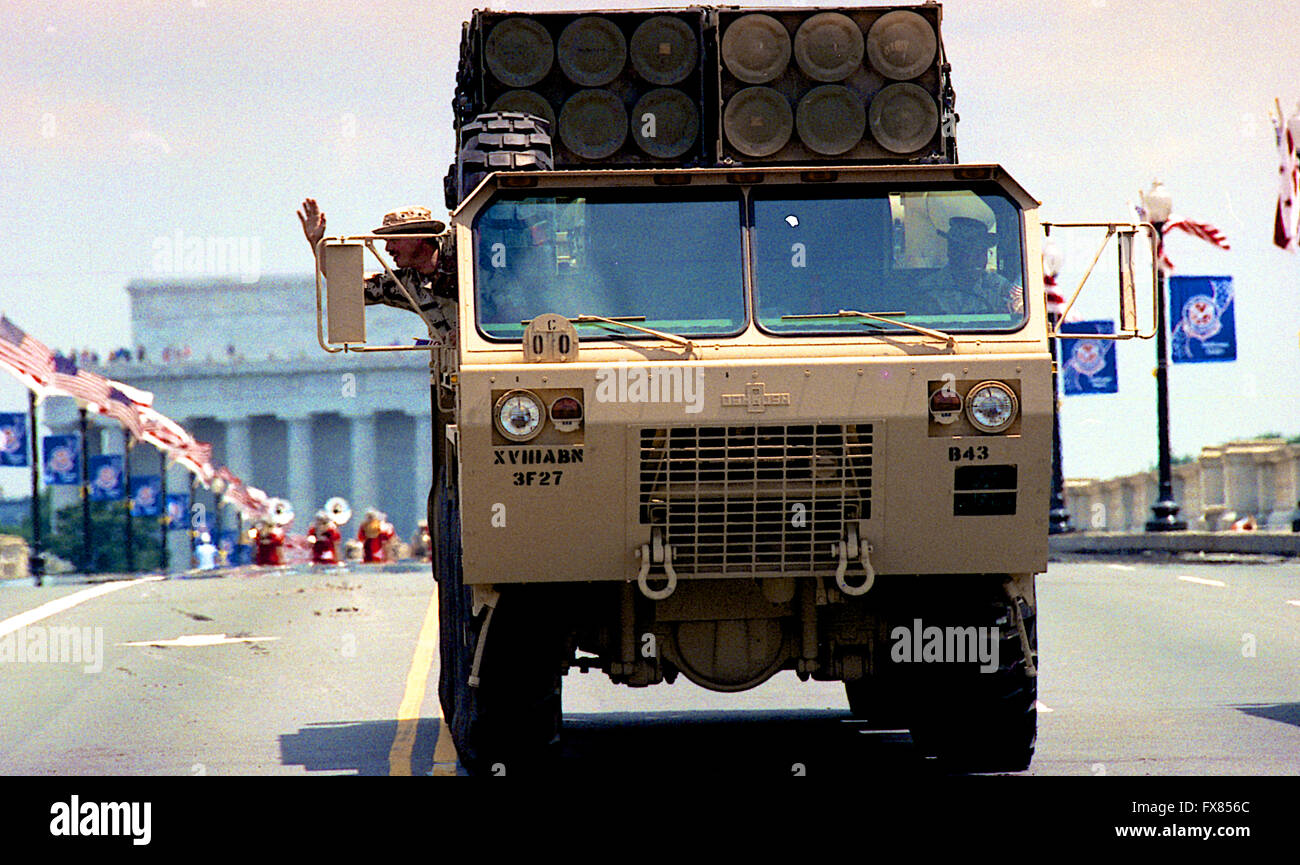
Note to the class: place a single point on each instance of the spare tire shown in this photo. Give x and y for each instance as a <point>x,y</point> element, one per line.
<point>499,141</point>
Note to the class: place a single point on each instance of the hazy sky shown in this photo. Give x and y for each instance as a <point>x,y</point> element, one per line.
<point>125,122</point>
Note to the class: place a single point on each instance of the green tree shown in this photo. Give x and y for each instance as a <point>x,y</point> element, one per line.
<point>24,529</point>
<point>107,537</point>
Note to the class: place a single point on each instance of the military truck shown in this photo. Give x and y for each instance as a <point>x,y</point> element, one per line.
<point>724,402</point>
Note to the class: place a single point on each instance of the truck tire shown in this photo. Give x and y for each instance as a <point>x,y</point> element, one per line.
<point>982,722</point>
<point>500,141</point>
<point>510,722</point>
<point>871,701</point>
<point>444,523</point>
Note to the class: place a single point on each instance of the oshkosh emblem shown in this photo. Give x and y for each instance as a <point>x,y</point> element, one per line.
<point>755,398</point>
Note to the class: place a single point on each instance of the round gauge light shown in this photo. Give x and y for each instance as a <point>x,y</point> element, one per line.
<point>519,415</point>
<point>945,405</point>
<point>566,414</point>
<point>992,406</point>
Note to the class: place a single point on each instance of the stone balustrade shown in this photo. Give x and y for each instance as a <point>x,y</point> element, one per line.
<point>1259,478</point>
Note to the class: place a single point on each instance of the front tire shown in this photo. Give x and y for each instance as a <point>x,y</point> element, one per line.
<point>983,722</point>
<point>509,723</point>
<point>453,597</point>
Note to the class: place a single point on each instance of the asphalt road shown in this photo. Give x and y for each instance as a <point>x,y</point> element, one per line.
<point>1146,669</point>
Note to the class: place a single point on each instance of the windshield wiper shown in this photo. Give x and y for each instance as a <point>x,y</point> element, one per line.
<point>886,317</point>
<point>624,321</point>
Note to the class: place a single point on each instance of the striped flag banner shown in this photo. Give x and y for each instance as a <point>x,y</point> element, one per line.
<point>162,432</point>
<point>1203,230</point>
<point>69,380</point>
<point>1055,300</point>
<point>197,457</point>
<point>124,410</point>
<point>28,359</point>
<point>1286,220</point>
<point>44,372</point>
<point>251,502</point>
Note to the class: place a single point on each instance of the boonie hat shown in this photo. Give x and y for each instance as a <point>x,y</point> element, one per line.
<point>968,231</point>
<point>410,220</point>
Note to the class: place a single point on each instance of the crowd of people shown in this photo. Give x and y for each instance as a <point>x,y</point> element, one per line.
<point>268,544</point>
<point>169,354</point>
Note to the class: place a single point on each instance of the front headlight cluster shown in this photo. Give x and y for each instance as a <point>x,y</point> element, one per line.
<point>990,406</point>
<point>520,414</point>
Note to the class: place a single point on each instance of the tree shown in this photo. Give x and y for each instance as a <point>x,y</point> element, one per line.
<point>107,537</point>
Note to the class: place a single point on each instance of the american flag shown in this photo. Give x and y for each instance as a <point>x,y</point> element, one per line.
<point>124,410</point>
<point>251,502</point>
<point>1055,300</point>
<point>163,432</point>
<point>27,358</point>
<point>1286,221</point>
<point>1204,230</point>
<point>103,395</point>
<point>88,387</point>
<point>198,459</point>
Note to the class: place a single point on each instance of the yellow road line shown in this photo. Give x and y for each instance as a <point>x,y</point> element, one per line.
<point>408,713</point>
<point>444,752</point>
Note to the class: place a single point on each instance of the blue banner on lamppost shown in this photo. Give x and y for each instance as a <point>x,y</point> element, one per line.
<point>1202,321</point>
<point>62,457</point>
<point>146,495</point>
<point>107,483</point>
<point>178,505</point>
<point>1088,366</point>
<point>13,439</point>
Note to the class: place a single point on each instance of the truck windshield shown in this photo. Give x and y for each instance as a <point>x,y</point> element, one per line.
<point>675,266</point>
<point>949,259</point>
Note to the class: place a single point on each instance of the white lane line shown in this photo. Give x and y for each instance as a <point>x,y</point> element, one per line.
<point>200,640</point>
<point>1042,707</point>
<point>1294,603</point>
<point>1121,567</point>
<point>1201,581</point>
<point>13,623</point>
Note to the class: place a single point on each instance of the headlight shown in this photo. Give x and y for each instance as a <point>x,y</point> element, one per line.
<point>992,406</point>
<point>518,415</point>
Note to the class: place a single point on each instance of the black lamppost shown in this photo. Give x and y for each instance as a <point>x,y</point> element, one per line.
<point>1058,516</point>
<point>1157,204</point>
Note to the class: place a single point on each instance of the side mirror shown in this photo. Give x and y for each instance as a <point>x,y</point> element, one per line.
<point>1132,265</point>
<point>1127,280</point>
<point>343,268</point>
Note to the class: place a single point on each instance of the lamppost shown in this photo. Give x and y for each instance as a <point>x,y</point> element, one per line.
<point>1058,516</point>
<point>1157,205</point>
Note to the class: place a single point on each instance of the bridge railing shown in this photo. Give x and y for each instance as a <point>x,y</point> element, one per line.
<point>1259,478</point>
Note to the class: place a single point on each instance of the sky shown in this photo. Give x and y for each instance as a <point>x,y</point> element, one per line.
<point>128,125</point>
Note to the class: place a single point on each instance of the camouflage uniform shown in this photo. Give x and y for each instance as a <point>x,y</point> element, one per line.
<point>967,293</point>
<point>435,293</point>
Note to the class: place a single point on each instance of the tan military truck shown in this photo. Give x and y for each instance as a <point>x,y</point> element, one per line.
<point>751,376</point>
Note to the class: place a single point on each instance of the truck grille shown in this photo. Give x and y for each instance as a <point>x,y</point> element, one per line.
<point>755,499</point>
